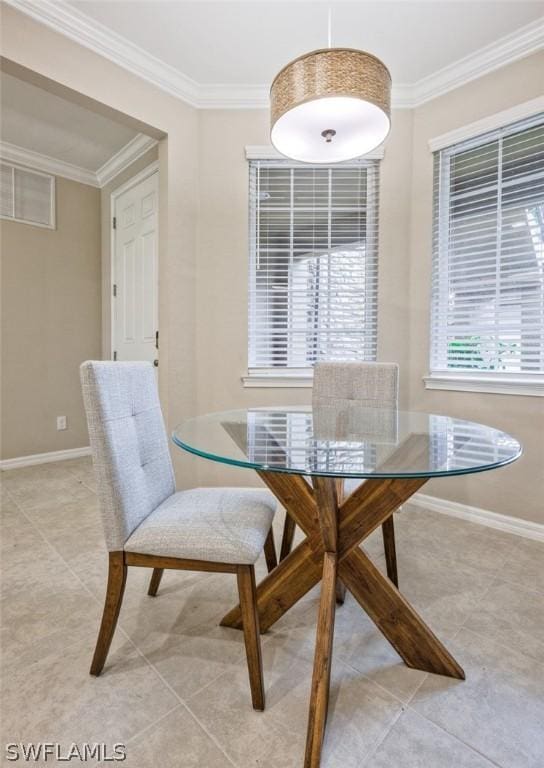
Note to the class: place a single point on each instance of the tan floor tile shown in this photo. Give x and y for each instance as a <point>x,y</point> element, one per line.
<point>81,468</point>
<point>7,503</point>
<point>442,594</point>
<point>185,600</point>
<point>25,565</point>
<point>176,741</point>
<point>179,632</point>
<point>414,742</point>
<point>91,567</point>
<point>360,715</point>
<point>17,534</point>
<point>457,543</point>
<point>452,571</point>
<point>499,708</point>
<point>260,736</point>
<point>37,612</point>
<point>360,712</point>
<point>55,698</point>
<point>525,564</point>
<point>72,539</point>
<point>36,487</point>
<point>512,616</point>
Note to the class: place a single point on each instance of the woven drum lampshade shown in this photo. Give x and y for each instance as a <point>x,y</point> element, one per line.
<point>330,105</point>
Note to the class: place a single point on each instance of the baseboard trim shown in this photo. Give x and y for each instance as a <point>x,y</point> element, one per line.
<point>516,525</point>
<point>44,458</point>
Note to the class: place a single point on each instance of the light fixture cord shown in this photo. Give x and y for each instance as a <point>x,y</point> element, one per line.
<point>329,27</point>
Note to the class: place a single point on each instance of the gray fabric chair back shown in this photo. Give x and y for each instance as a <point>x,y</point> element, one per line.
<point>129,444</point>
<point>368,384</point>
<point>351,399</point>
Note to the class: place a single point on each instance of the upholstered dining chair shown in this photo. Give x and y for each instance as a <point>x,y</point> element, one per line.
<point>339,384</point>
<point>147,523</point>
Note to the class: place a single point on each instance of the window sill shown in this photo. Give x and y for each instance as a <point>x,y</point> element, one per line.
<point>497,384</point>
<point>278,380</point>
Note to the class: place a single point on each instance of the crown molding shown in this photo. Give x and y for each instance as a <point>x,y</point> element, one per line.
<point>258,96</point>
<point>26,157</point>
<point>221,96</point>
<point>111,168</point>
<point>506,50</point>
<point>91,34</point>
<point>401,96</point>
<point>128,154</point>
<point>269,152</point>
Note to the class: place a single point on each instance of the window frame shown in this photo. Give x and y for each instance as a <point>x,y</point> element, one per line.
<point>278,377</point>
<point>52,199</point>
<point>529,384</point>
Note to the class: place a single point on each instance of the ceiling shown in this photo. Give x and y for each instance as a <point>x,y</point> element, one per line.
<point>246,43</point>
<point>37,120</point>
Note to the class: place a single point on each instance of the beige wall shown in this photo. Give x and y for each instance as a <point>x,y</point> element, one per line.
<point>516,490</point>
<point>404,282</point>
<point>106,215</point>
<point>55,314</point>
<point>50,322</point>
<point>203,257</point>
<point>222,266</point>
<point>98,83</point>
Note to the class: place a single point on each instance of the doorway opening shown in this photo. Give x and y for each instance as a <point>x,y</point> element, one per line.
<point>65,160</point>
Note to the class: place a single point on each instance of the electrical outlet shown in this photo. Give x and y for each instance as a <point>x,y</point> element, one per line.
<point>61,423</point>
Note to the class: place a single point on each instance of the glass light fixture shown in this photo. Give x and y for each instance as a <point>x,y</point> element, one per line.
<point>330,105</point>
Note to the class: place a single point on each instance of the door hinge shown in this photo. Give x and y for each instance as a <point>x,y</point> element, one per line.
<point>115,289</point>
<point>114,355</point>
<point>156,339</point>
<point>114,223</point>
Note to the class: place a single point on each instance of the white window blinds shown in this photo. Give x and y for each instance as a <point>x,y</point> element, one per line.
<point>488,254</point>
<point>27,196</point>
<point>313,264</point>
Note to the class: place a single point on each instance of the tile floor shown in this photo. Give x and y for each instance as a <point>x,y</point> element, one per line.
<point>175,687</point>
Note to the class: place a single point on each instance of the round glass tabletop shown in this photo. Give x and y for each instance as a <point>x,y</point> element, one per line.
<point>352,441</point>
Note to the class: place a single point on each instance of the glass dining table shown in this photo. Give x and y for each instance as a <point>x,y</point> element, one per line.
<point>340,471</point>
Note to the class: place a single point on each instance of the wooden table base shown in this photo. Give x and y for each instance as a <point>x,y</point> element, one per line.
<point>334,530</point>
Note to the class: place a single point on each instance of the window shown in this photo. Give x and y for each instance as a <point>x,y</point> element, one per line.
<point>487,320</point>
<point>313,265</point>
<point>27,196</point>
<point>273,436</point>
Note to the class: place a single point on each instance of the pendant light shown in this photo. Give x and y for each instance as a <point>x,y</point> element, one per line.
<point>330,105</point>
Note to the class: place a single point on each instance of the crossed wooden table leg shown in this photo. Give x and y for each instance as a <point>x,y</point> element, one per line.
<point>330,552</point>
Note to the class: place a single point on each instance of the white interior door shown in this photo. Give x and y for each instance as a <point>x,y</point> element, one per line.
<point>135,272</point>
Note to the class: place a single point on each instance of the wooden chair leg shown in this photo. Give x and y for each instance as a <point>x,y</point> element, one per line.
<point>388,532</point>
<point>250,619</point>
<point>117,576</point>
<point>155,581</point>
<point>288,536</point>
<point>270,551</point>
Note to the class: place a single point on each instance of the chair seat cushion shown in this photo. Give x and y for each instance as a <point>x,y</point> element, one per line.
<point>223,525</point>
